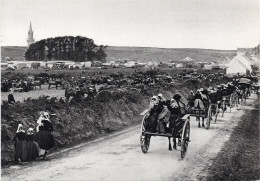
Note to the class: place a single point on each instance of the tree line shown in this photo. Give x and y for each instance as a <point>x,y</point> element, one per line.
<point>77,49</point>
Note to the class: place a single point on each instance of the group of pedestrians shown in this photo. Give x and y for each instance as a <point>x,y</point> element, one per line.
<point>34,143</point>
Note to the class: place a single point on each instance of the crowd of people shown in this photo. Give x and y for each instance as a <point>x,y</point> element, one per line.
<point>35,141</point>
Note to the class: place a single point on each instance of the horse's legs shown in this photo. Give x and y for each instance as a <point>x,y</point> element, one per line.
<point>170,146</point>
<point>174,144</point>
<point>203,122</point>
<point>49,86</point>
<point>198,119</point>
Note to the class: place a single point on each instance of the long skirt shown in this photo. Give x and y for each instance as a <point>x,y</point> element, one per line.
<point>151,123</point>
<point>32,151</point>
<point>20,150</point>
<point>45,139</point>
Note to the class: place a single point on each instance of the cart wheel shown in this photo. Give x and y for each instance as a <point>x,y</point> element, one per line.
<point>185,138</point>
<point>209,117</point>
<point>145,142</point>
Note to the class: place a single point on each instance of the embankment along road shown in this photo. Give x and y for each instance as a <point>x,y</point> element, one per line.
<point>119,157</point>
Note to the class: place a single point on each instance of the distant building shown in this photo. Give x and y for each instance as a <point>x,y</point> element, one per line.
<point>239,64</point>
<point>179,65</point>
<point>30,39</point>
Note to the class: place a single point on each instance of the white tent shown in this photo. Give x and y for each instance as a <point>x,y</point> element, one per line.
<point>187,59</point>
<point>239,64</point>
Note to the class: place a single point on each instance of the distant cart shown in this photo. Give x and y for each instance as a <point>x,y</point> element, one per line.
<point>205,113</point>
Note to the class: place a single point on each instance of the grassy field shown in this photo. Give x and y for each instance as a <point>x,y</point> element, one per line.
<point>14,52</point>
<point>240,157</point>
<point>144,54</point>
<point>44,91</point>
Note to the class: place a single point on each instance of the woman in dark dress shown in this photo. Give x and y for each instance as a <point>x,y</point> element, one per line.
<point>32,151</point>
<point>155,109</point>
<point>20,145</point>
<point>44,135</point>
<point>191,99</point>
<point>174,120</point>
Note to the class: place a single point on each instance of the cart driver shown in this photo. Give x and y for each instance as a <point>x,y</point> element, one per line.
<point>198,104</point>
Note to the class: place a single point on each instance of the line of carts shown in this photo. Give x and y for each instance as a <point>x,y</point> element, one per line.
<point>182,132</point>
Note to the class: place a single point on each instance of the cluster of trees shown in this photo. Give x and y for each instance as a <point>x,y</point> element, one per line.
<point>77,49</point>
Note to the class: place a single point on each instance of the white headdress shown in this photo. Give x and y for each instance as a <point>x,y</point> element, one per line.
<point>30,131</point>
<point>20,128</point>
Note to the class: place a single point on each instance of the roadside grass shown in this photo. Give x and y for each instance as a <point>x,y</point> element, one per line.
<point>239,158</point>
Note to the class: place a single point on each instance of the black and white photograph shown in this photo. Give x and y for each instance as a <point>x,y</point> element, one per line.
<point>130,90</point>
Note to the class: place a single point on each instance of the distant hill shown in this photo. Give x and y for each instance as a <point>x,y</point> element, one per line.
<point>14,52</point>
<point>143,54</point>
<point>165,54</point>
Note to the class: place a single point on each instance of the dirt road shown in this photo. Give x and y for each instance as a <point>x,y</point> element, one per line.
<point>119,157</point>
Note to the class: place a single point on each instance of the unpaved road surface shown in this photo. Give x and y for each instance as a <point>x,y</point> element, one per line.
<point>119,156</point>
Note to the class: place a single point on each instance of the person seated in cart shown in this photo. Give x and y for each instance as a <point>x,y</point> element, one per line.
<point>191,99</point>
<point>225,90</point>
<point>205,97</point>
<point>198,104</point>
<point>155,108</point>
<point>219,93</point>
<point>177,110</point>
<point>230,88</point>
<point>161,98</point>
<point>213,96</point>
<point>163,119</point>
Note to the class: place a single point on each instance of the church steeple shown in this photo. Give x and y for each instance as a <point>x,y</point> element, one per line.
<point>30,39</point>
<point>30,28</point>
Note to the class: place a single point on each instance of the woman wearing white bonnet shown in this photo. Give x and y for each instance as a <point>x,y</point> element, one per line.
<point>20,145</point>
<point>44,135</point>
<point>32,149</point>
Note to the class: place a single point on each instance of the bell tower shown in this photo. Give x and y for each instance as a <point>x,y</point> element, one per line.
<point>30,39</point>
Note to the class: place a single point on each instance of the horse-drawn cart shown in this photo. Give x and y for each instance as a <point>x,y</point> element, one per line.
<point>203,113</point>
<point>180,131</point>
<point>229,100</point>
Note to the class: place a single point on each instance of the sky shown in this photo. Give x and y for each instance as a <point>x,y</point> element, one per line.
<point>208,24</point>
